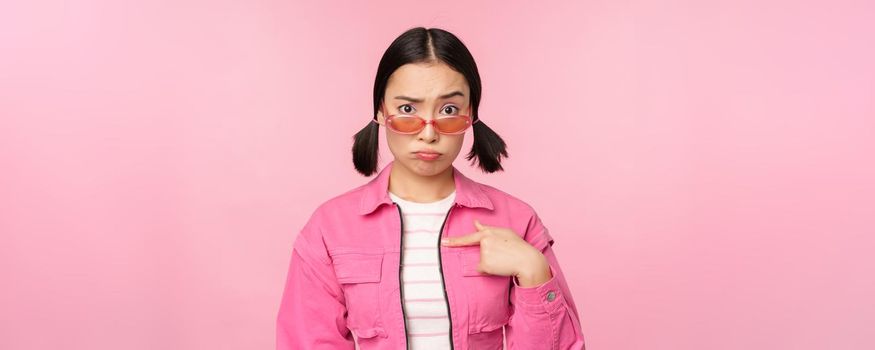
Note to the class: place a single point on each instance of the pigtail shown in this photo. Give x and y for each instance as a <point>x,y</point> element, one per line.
<point>488,148</point>
<point>365,148</point>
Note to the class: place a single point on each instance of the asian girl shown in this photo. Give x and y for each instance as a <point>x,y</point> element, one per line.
<point>471,260</point>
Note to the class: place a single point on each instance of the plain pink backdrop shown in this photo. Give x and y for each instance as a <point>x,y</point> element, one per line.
<point>705,166</point>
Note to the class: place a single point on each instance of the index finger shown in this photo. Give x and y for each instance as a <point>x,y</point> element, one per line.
<point>469,239</point>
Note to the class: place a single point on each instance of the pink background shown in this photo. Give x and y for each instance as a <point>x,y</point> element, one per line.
<point>705,167</point>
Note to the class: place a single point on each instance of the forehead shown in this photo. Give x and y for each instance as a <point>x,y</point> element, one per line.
<point>425,80</point>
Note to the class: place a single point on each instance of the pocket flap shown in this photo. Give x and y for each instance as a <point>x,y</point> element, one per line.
<point>487,327</point>
<point>369,332</point>
<point>470,261</point>
<point>357,265</point>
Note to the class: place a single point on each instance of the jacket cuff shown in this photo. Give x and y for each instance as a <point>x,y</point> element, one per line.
<point>546,296</point>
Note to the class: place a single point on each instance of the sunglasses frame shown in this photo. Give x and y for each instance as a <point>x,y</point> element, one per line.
<point>425,123</point>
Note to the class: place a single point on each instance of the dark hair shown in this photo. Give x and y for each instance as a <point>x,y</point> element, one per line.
<point>421,45</point>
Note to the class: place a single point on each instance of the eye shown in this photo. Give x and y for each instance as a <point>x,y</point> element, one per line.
<point>450,108</point>
<point>407,110</point>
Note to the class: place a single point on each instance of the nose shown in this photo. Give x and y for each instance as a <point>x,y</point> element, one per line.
<point>428,133</point>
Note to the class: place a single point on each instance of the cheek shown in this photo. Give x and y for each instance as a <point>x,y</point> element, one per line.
<point>457,140</point>
<point>455,144</point>
<point>392,137</point>
<point>397,142</point>
<point>401,143</point>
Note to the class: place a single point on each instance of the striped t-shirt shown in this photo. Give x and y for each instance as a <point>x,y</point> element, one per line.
<point>428,326</point>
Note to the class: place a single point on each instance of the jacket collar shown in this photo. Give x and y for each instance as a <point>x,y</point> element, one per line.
<point>376,192</point>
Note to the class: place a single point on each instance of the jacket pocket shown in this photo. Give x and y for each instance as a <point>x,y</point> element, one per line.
<point>488,298</point>
<point>470,260</point>
<point>359,272</point>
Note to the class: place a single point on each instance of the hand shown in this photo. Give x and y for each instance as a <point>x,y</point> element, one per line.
<point>504,253</point>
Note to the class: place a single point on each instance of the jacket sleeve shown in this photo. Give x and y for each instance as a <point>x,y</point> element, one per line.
<point>312,312</point>
<point>543,316</point>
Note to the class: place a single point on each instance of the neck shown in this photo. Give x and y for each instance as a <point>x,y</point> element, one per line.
<point>417,188</point>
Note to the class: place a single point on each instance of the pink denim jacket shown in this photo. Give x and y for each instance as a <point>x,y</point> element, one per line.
<point>344,277</point>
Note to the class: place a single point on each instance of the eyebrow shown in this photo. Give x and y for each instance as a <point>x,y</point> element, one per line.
<point>419,100</point>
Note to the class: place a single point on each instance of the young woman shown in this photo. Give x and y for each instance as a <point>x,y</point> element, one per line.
<point>421,256</point>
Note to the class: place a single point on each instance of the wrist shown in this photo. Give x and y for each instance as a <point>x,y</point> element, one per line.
<point>534,272</point>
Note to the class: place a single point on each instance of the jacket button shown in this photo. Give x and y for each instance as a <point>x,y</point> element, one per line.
<point>551,295</point>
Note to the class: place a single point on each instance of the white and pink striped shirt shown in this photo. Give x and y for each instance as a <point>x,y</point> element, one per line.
<point>425,306</point>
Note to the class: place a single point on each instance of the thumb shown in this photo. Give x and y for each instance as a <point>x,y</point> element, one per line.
<point>478,225</point>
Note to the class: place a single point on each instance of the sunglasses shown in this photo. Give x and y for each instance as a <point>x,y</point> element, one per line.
<point>413,124</point>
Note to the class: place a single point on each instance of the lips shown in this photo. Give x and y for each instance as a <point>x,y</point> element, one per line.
<point>428,152</point>
<point>427,156</point>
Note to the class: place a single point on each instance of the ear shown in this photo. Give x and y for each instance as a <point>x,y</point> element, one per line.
<point>380,118</point>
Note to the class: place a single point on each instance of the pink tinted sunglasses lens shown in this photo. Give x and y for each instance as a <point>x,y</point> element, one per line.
<point>410,124</point>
